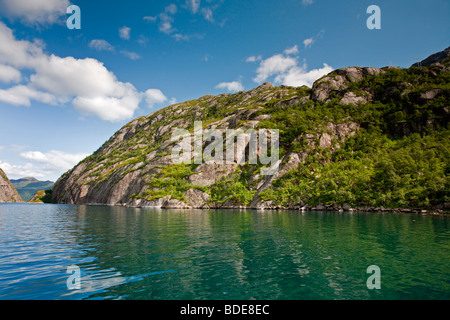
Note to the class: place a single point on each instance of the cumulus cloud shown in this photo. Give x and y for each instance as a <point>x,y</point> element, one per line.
<point>20,171</point>
<point>39,164</point>
<point>21,95</point>
<point>154,96</point>
<point>35,12</point>
<point>300,76</point>
<point>277,64</point>
<point>20,54</point>
<point>101,45</point>
<point>307,2</point>
<point>286,70</point>
<point>233,86</point>
<point>54,158</point>
<point>112,107</point>
<point>87,83</point>
<point>9,74</point>
<point>124,32</point>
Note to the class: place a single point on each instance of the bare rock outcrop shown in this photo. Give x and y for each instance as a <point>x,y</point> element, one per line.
<point>7,191</point>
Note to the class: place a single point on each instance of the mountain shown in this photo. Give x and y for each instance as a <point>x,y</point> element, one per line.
<point>361,137</point>
<point>28,186</point>
<point>7,191</point>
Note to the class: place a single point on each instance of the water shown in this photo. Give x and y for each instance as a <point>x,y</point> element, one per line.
<point>128,253</point>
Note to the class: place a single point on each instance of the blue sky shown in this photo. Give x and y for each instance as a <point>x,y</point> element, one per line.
<point>64,92</point>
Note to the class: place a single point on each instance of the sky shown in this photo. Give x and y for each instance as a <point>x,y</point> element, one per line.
<point>64,91</point>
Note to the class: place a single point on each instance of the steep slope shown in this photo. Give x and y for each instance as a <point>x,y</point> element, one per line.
<point>358,137</point>
<point>7,191</point>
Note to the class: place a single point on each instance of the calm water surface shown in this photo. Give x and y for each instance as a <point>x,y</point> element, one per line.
<point>127,253</point>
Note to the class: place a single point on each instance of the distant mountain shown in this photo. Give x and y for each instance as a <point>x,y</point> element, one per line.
<point>28,186</point>
<point>7,191</point>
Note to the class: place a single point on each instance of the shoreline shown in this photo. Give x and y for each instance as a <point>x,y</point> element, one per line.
<point>307,208</point>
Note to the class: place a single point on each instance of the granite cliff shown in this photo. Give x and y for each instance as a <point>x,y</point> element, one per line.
<point>7,191</point>
<point>342,143</point>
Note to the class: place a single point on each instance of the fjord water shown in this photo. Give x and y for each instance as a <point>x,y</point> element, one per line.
<point>131,253</point>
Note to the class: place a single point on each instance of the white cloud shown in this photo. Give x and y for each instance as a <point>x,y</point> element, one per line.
<point>291,51</point>
<point>307,2</point>
<point>286,70</point>
<point>124,32</point>
<point>130,54</point>
<point>20,54</point>
<point>48,165</point>
<point>54,158</point>
<point>299,76</point>
<point>308,42</point>
<point>35,12</point>
<point>253,58</point>
<point>9,74</point>
<point>101,45</point>
<point>20,171</point>
<point>87,83</point>
<point>110,108</point>
<point>154,96</point>
<point>22,95</point>
<point>233,86</point>
<point>274,65</point>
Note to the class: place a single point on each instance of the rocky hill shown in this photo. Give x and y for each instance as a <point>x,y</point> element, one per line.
<point>7,191</point>
<point>360,137</point>
<point>41,196</point>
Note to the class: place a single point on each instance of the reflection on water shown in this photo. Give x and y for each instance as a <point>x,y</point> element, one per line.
<point>131,253</point>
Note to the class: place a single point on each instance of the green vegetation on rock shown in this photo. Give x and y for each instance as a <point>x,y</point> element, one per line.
<point>360,137</point>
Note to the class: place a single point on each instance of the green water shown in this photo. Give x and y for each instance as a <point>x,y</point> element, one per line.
<point>127,253</point>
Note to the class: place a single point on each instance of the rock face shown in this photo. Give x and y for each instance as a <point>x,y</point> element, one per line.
<point>135,168</point>
<point>7,191</point>
<point>438,58</point>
